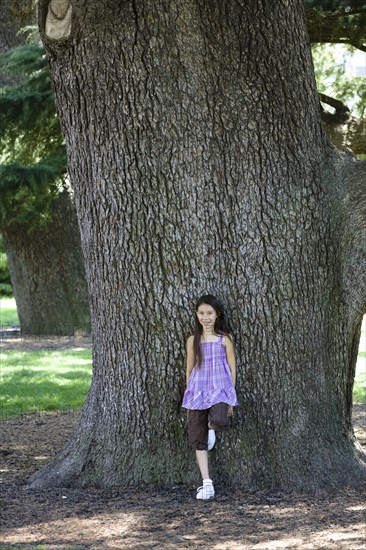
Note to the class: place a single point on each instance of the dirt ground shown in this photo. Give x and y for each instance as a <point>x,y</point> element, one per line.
<point>161,518</point>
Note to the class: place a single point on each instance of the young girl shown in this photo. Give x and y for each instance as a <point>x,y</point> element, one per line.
<point>210,376</point>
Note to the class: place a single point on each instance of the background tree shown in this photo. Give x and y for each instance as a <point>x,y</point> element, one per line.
<point>37,216</point>
<point>199,164</point>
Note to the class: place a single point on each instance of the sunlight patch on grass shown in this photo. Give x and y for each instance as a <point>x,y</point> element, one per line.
<point>8,312</point>
<point>34,381</point>
<point>359,388</point>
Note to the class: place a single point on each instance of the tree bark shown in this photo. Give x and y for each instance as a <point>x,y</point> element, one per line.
<point>343,129</point>
<point>48,275</point>
<point>198,167</point>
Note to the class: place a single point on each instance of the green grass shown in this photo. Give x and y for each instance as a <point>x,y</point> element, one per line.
<point>8,312</point>
<point>359,389</point>
<point>359,386</point>
<point>34,381</point>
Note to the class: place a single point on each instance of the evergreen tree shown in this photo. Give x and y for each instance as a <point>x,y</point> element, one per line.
<point>33,157</point>
<point>37,215</point>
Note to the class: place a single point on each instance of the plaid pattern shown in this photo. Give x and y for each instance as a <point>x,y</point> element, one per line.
<point>210,383</point>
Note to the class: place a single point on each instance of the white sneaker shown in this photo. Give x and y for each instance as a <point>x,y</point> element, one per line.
<point>206,491</point>
<point>211,439</point>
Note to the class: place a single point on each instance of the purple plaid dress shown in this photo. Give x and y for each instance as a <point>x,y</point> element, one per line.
<point>211,383</point>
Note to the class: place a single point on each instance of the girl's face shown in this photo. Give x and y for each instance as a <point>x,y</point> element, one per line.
<point>206,316</point>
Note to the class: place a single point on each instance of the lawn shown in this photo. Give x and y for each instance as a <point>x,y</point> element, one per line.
<point>8,312</point>
<point>43,380</point>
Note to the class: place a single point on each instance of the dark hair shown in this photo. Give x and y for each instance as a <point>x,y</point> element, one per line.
<point>221,326</point>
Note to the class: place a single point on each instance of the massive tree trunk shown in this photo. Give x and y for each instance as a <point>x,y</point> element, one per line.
<point>47,273</point>
<point>200,165</point>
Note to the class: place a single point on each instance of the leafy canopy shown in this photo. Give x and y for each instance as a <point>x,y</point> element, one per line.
<point>334,80</point>
<point>337,22</point>
<point>33,155</point>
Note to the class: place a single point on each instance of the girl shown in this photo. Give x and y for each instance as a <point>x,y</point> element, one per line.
<point>210,376</point>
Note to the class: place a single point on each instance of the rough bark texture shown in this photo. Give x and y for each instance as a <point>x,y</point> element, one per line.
<point>48,275</point>
<point>344,129</point>
<point>200,165</point>
<point>348,132</point>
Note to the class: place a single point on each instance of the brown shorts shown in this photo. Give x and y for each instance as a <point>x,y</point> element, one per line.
<point>198,424</point>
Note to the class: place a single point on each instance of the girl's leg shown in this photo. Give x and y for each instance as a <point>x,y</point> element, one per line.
<point>202,461</point>
<point>197,429</point>
<point>197,435</point>
<point>206,491</point>
<point>217,420</point>
<point>218,417</point>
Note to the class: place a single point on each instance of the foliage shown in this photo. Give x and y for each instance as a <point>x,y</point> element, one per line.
<point>5,290</point>
<point>337,21</point>
<point>334,80</point>
<point>34,381</point>
<point>33,157</point>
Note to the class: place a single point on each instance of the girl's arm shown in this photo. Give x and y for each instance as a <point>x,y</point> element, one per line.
<point>230,356</point>
<point>190,358</point>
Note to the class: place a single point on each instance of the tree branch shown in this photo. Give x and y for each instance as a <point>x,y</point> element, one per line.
<point>337,28</point>
<point>360,47</point>
<point>345,13</point>
<point>335,103</point>
<point>327,40</point>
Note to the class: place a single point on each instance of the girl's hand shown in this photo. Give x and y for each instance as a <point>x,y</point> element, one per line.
<point>230,411</point>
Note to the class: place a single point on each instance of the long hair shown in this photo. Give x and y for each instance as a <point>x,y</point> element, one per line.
<point>220,327</point>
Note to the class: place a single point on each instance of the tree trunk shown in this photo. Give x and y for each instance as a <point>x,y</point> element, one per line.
<point>350,132</point>
<point>48,275</point>
<point>343,129</point>
<point>200,165</point>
